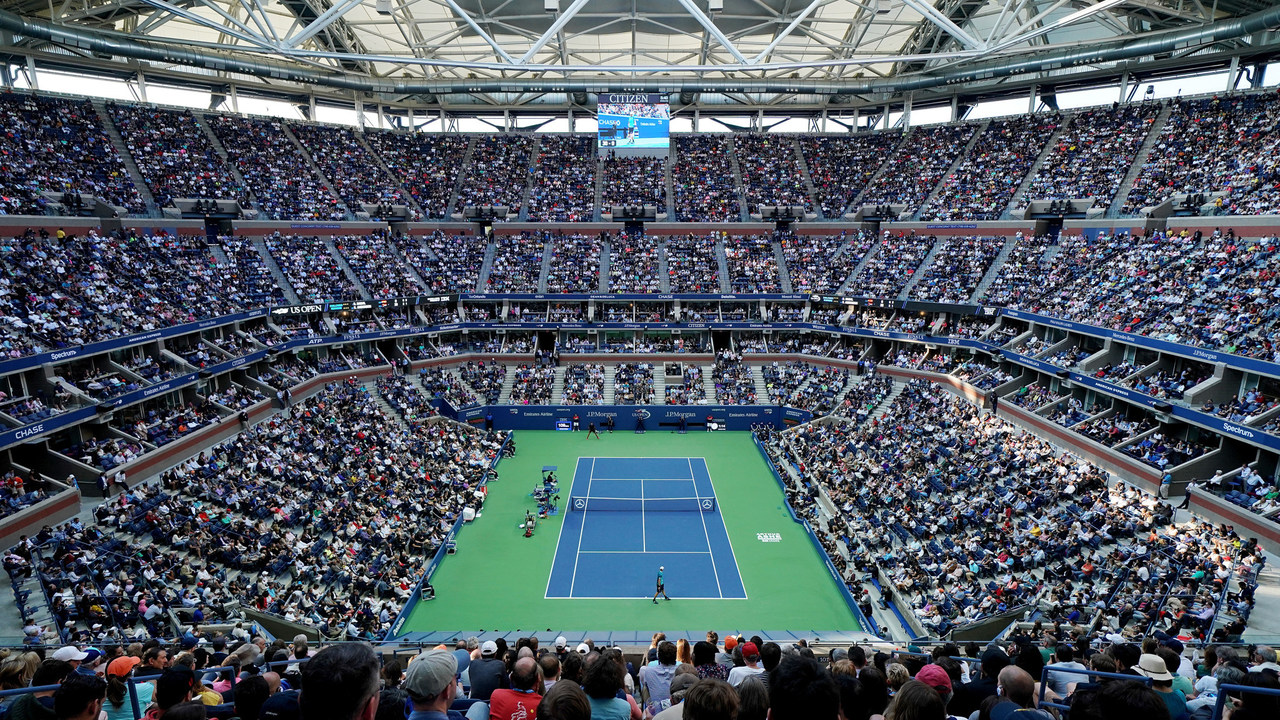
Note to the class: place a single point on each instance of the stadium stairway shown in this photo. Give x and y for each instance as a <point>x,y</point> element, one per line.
<point>762,388</point>
<point>606,252</point>
<point>708,384</point>
<point>534,152</point>
<point>117,141</point>
<point>547,249</point>
<point>347,270</point>
<point>276,273</point>
<point>994,270</point>
<point>1139,160</point>
<point>404,260</point>
<point>659,384</point>
<point>610,392</point>
<point>1035,166</point>
<point>409,199</point>
<point>598,215</point>
<point>809,187</point>
<point>924,266</point>
<point>457,181</point>
<point>218,147</point>
<point>737,186</point>
<point>664,275</point>
<point>879,410</point>
<point>784,275</point>
<point>871,181</point>
<point>311,163</point>
<point>722,264</point>
<point>557,386</point>
<point>960,157</point>
<point>485,267</point>
<point>857,269</point>
<point>671,190</point>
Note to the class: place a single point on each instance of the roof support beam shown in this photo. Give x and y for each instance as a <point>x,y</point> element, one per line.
<point>327,18</point>
<point>552,31</point>
<point>251,38</point>
<point>479,30</point>
<point>712,30</point>
<point>795,23</point>
<point>925,8</point>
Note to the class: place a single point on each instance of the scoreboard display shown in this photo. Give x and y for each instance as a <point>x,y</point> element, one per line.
<point>633,121</point>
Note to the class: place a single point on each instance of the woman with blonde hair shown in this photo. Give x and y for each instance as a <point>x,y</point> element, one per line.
<point>684,652</point>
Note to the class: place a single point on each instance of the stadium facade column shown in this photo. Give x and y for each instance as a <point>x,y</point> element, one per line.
<point>359,111</point>
<point>1232,73</point>
<point>142,85</point>
<point>887,107</point>
<point>906,110</point>
<point>955,107</point>
<point>235,98</point>
<point>1124,88</point>
<point>1031,98</point>
<point>31,73</point>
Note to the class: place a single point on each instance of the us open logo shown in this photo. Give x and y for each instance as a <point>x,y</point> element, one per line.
<point>642,414</point>
<point>769,537</point>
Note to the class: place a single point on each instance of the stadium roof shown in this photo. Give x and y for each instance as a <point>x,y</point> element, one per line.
<point>753,52</point>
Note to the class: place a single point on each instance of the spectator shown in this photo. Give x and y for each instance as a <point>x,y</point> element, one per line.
<point>432,684</point>
<point>799,688</point>
<point>341,682</point>
<point>79,697</point>
<point>521,700</point>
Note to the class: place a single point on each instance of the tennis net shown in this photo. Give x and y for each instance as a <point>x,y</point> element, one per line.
<point>614,504</point>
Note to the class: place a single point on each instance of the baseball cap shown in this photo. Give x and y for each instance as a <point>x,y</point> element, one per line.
<point>92,654</point>
<point>661,567</point>
<point>281,706</point>
<point>489,648</point>
<point>730,642</point>
<point>561,643</point>
<point>683,681</point>
<point>70,653</point>
<point>750,650</point>
<point>935,677</point>
<point>430,673</point>
<point>122,665</point>
<point>583,648</point>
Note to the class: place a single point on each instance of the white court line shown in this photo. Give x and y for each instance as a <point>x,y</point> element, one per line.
<point>726,528</point>
<point>642,597</point>
<point>582,531</point>
<point>705,533</point>
<point>546,595</point>
<point>644,539</point>
<point>639,552</point>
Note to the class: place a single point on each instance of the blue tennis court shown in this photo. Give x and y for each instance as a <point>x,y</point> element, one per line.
<point>626,517</point>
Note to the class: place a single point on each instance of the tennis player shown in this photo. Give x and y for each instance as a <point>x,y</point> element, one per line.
<point>662,588</point>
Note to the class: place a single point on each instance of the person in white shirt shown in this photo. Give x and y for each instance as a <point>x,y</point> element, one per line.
<point>750,654</point>
<point>1065,657</point>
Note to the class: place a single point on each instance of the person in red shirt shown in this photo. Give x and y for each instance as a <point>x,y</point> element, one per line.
<point>520,701</point>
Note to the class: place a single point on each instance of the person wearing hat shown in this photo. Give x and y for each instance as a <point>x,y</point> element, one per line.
<point>750,655</point>
<point>662,588</point>
<point>70,654</point>
<point>1153,666</point>
<point>89,665</point>
<point>432,684</point>
<point>488,672</point>
<point>119,705</point>
<point>680,685</point>
<point>562,647</point>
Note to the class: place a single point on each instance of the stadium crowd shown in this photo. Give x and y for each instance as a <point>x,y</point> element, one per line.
<point>174,155</point>
<point>276,173</point>
<point>563,180</point>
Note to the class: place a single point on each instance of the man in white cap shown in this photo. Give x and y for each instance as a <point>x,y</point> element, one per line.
<point>562,648</point>
<point>432,684</point>
<point>662,588</point>
<point>488,673</point>
<point>70,654</point>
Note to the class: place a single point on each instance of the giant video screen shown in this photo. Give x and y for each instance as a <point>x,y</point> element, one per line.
<point>633,121</point>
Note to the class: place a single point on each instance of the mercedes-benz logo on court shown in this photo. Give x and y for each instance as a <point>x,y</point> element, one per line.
<point>706,504</point>
<point>580,503</point>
